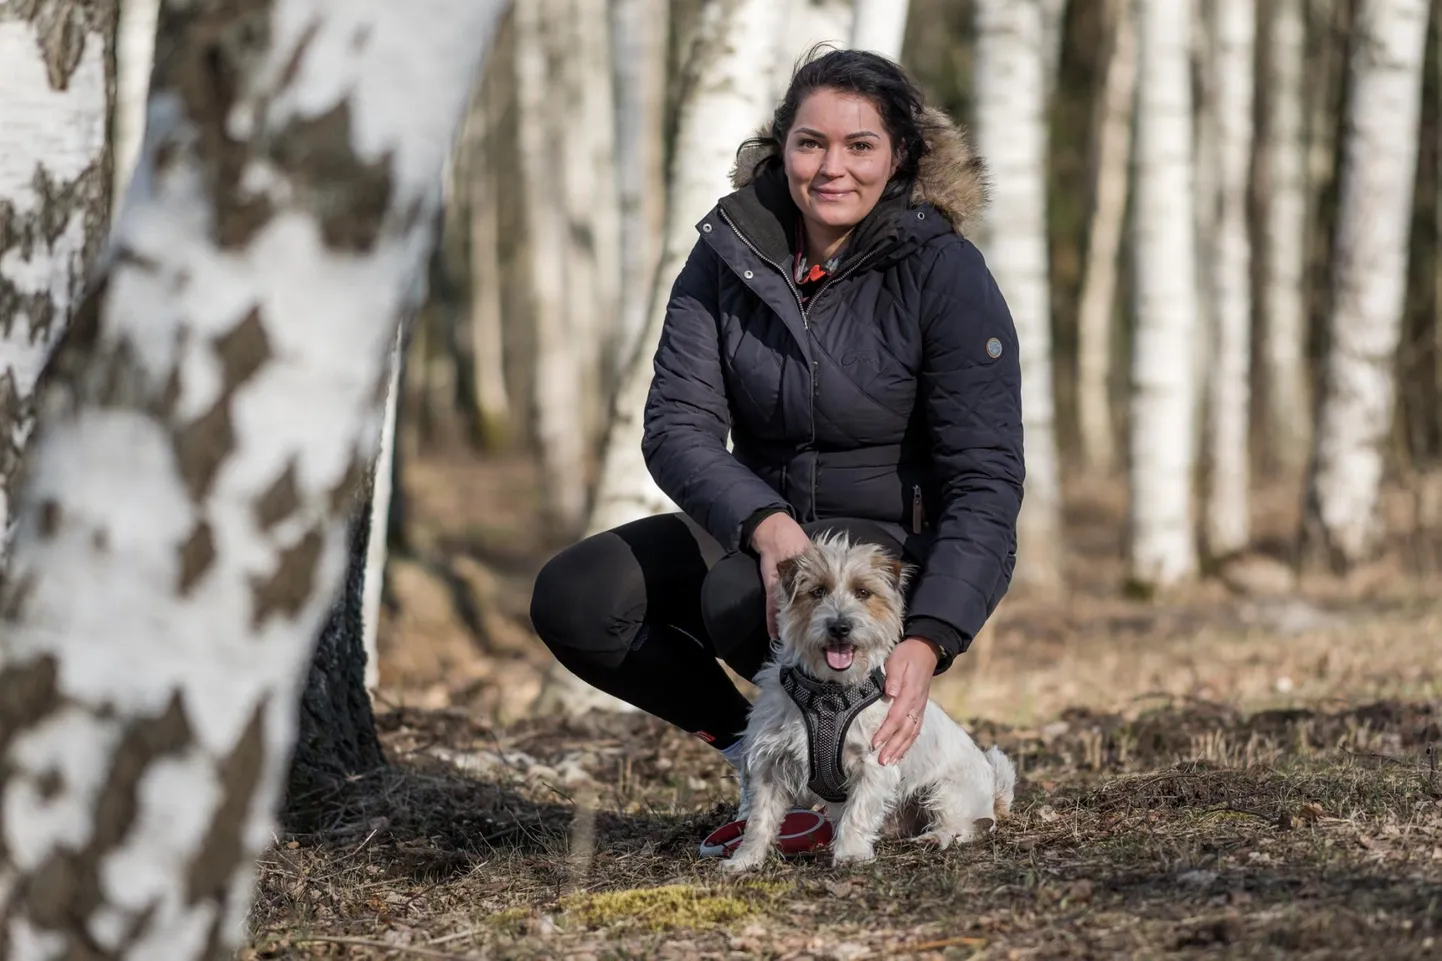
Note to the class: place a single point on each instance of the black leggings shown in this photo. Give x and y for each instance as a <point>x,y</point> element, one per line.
<point>644,610</point>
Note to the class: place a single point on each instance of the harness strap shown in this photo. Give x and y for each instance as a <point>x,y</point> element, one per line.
<point>828,709</point>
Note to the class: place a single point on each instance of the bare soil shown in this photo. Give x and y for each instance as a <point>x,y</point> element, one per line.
<point>1242,773</point>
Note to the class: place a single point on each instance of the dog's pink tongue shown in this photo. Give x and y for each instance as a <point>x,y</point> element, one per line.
<point>840,657</point>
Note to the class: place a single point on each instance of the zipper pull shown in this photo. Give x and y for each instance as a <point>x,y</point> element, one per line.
<point>916,509</point>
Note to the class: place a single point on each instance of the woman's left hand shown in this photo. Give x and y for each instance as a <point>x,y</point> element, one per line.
<point>908,684</point>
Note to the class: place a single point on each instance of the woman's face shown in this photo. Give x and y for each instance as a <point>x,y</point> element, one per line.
<point>838,158</point>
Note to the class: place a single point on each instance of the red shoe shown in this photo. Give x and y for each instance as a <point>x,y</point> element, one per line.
<point>802,830</point>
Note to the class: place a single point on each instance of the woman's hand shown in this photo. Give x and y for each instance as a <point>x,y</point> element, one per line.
<point>908,684</point>
<point>775,539</point>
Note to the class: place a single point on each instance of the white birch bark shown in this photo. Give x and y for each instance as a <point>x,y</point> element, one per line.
<point>1227,505</point>
<point>182,522</point>
<point>639,36</point>
<point>377,542</point>
<point>1097,310</point>
<point>557,380</point>
<point>1369,280</point>
<point>1286,388</point>
<point>56,94</point>
<point>1011,132</point>
<point>807,23</point>
<point>1161,548</point>
<point>880,26</point>
<point>134,53</point>
<point>729,100</point>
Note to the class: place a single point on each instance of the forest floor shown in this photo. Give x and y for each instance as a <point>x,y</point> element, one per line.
<point>1246,774</point>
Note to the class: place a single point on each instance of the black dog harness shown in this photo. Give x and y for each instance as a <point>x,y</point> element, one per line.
<point>828,709</point>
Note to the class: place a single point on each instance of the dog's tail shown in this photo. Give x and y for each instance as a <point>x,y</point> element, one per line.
<point>1004,773</point>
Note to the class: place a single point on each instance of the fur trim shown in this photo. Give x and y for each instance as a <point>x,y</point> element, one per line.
<point>950,177</point>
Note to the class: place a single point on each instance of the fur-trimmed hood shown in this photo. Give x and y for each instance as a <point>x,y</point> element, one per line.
<point>950,176</point>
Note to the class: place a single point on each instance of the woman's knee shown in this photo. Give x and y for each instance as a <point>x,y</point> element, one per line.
<point>588,601</point>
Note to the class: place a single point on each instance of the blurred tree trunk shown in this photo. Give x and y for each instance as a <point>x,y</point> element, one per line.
<point>378,519</point>
<point>197,455</point>
<point>1011,133</point>
<point>134,53</point>
<point>558,378</point>
<point>1284,381</point>
<point>807,23</point>
<point>1228,260</point>
<point>726,99</point>
<point>880,26</point>
<point>1161,546</point>
<point>57,92</point>
<point>639,35</point>
<point>492,399</point>
<point>1053,31</point>
<point>1096,316</point>
<point>1358,391</point>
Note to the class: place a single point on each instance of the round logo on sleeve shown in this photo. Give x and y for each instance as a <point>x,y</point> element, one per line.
<point>993,348</point>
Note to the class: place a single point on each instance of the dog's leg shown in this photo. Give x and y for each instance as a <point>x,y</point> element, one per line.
<point>956,815</point>
<point>872,796</point>
<point>769,801</point>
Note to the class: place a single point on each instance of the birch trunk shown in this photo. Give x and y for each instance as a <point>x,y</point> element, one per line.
<point>134,53</point>
<point>488,341</point>
<point>378,519</point>
<point>880,26</point>
<point>1097,311</point>
<point>1053,31</point>
<point>557,400</point>
<point>728,100</point>
<point>1227,507</point>
<point>1161,546</point>
<point>1011,131</point>
<point>1286,393</point>
<point>807,23</point>
<point>1369,282</point>
<point>57,90</point>
<point>203,430</point>
<point>639,36</point>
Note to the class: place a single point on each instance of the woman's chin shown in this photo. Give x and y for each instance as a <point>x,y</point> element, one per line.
<point>836,215</point>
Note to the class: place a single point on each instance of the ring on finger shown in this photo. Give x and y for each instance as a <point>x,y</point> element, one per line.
<point>913,718</point>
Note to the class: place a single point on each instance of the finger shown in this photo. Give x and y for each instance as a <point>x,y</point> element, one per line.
<point>896,749</point>
<point>889,727</point>
<point>896,680</point>
<point>771,617</point>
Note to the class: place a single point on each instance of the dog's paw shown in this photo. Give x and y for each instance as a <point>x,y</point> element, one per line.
<point>745,859</point>
<point>853,854</point>
<point>938,839</point>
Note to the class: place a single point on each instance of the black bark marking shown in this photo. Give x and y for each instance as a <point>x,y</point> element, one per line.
<point>197,554</point>
<point>66,889</point>
<point>220,853</point>
<point>100,541</point>
<point>243,351</point>
<point>279,501</point>
<point>202,446</point>
<point>49,784</point>
<point>291,584</point>
<point>49,519</point>
<point>344,492</point>
<point>15,594</point>
<point>61,28</point>
<point>350,197</point>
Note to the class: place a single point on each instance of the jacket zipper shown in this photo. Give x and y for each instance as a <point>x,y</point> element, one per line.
<point>805,325</point>
<point>918,515</point>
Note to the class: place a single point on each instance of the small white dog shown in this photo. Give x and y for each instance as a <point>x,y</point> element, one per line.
<point>839,615</point>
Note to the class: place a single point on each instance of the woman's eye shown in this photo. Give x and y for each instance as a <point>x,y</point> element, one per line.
<point>862,145</point>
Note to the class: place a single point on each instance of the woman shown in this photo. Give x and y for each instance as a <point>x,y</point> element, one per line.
<point>833,318</point>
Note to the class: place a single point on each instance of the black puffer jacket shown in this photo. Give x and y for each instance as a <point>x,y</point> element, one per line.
<point>895,396</point>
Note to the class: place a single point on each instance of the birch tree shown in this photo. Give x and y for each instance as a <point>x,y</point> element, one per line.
<point>728,98</point>
<point>202,433</point>
<point>880,26</point>
<point>807,23</point>
<point>487,320</point>
<point>1011,125</point>
<point>1104,236</point>
<point>134,52</point>
<point>1161,551</point>
<point>1379,157</point>
<point>638,63</point>
<point>1286,393</point>
<point>1228,271</point>
<point>57,88</point>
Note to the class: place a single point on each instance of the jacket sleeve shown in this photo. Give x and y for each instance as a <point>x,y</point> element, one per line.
<point>972,401</point>
<point>687,415</point>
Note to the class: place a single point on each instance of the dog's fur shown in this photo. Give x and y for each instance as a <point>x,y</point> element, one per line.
<point>944,773</point>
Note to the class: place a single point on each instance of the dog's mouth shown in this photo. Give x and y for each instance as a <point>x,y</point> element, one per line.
<point>840,656</point>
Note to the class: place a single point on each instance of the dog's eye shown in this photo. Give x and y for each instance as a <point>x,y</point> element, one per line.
<point>862,593</point>
<point>818,592</point>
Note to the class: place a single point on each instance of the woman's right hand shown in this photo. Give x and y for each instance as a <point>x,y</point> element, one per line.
<point>775,539</point>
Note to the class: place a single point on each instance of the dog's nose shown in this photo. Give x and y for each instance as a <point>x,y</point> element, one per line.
<point>840,629</point>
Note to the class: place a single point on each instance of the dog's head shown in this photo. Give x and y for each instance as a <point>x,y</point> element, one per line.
<point>839,608</point>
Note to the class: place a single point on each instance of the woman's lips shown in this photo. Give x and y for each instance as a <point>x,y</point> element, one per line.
<point>821,194</point>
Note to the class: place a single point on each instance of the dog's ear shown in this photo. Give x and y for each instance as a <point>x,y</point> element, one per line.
<point>787,571</point>
<point>895,571</point>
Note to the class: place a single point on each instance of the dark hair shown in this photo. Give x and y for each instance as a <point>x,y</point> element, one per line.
<point>882,81</point>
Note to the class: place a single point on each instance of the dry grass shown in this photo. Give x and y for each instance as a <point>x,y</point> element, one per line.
<point>1200,776</point>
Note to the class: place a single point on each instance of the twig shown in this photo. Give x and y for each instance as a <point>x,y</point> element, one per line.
<point>941,943</point>
<point>410,949</point>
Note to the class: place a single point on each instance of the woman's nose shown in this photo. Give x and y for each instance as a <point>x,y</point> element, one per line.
<point>831,162</point>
